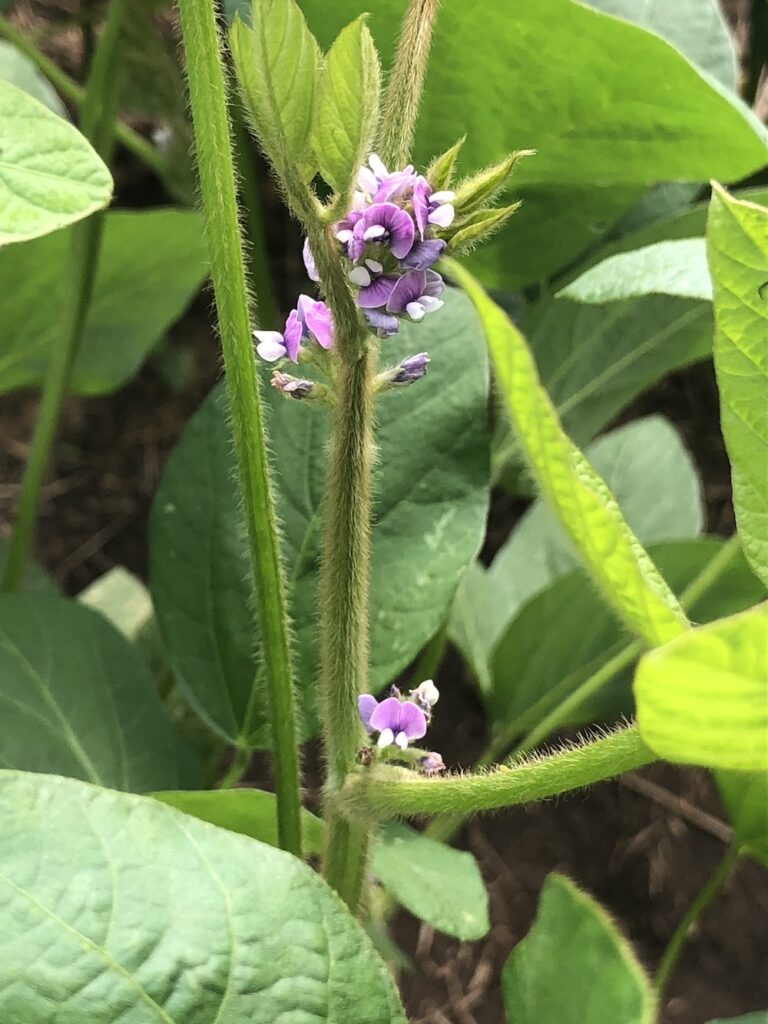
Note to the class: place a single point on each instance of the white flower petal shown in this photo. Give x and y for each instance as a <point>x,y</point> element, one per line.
<point>430,303</point>
<point>442,216</point>
<point>377,165</point>
<point>386,738</point>
<point>344,235</point>
<point>374,266</point>
<point>367,180</point>
<point>271,346</point>
<point>442,197</point>
<point>401,740</point>
<point>415,310</point>
<point>359,276</point>
<point>374,231</point>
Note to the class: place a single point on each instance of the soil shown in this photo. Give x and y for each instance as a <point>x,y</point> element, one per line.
<point>637,849</point>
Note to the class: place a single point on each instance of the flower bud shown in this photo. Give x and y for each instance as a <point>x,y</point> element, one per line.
<point>481,188</point>
<point>432,764</point>
<point>294,387</point>
<point>426,695</point>
<point>439,174</point>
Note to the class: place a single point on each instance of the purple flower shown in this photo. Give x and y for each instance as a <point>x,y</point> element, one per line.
<point>309,262</point>
<point>378,185</point>
<point>411,369</point>
<point>416,293</point>
<point>311,320</point>
<point>394,720</point>
<point>431,207</point>
<point>293,387</point>
<point>384,324</point>
<point>388,224</point>
<point>432,764</point>
<point>423,254</point>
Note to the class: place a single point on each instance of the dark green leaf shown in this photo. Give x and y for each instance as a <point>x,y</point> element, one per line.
<point>77,700</point>
<point>19,70</point>
<point>429,520</point>
<point>142,914</point>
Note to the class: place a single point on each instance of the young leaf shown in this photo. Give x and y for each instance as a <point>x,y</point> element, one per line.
<point>667,268</point>
<point>250,812</point>
<point>50,175</point>
<point>418,872</point>
<point>429,521</point>
<point>737,246</point>
<point>160,917</point>
<point>628,579</point>
<point>440,171</point>
<point>77,700</point>
<point>277,61</point>
<point>574,966</point>
<point>745,795</point>
<point>152,264</point>
<point>348,107</point>
<point>703,697</point>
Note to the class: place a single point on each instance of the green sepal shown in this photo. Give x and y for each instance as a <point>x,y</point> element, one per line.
<point>481,188</point>
<point>278,65</point>
<point>348,107</point>
<point>439,174</point>
<point>478,227</point>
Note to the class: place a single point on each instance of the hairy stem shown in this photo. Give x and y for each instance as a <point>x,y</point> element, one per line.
<point>97,124</point>
<point>74,93</point>
<point>406,81</point>
<point>389,792</point>
<point>208,101</point>
<point>704,897</point>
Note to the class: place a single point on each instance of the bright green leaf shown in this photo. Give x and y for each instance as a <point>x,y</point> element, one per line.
<point>574,966</point>
<point>667,268</point>
<point>737,246</point>
<point>250,812</point>
<point>278,67</point>
<point>531,674</point>
<point>429,522</point>
<point>143,914</point>
<point>438,884</point>
<point>77,700</point>
<point>745,795</point>
<point>581,500</point>
<point>348,107</point>
<point>703,697</point>
<point>152,264</point>
<point>50,175</point>
<point>18,69</point>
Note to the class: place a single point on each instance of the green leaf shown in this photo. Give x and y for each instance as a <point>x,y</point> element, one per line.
<point>250,812</point>
<point>581,500</point>
<point>531,675</point>
<point>152,264</point>
<point>77,700</point>
<point>703,697</point>
<point>760,1017</point>
<point>667,268</point>
<point>143,914</point>
<point>429,522</point>
<point>737,246</point>
<point>278,67</point>
<point>50,175</point>
<point>574,966</point>
<point>696,28</point>
<point>18,69</point>
<point>657,488</point>
<point>348,107</point>
<point>745,795</point>
<point>36,579</point>
<point>420,873</point>
<point>618,79</point>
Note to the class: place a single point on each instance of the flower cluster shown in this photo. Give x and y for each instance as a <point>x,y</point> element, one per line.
<point>398,721</point>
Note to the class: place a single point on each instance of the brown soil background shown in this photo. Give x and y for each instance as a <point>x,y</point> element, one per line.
<point>638,852</point>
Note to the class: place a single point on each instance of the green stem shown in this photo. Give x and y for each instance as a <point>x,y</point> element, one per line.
<point>251,202</point>
<point>406,82</point>
<point>344,601</point>
<point>74,93</point>
<point>208,101</point>
<point>236,770</point>
<point>97,124</point>
<point>389,793</point>
<point>705,896</point>
<point>711,573</point>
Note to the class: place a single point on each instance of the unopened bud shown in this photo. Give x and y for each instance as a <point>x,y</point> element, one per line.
<point>293,387</point>
<point>480,189</point>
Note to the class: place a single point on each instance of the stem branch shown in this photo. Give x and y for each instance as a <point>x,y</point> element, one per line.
<point>207,94</point>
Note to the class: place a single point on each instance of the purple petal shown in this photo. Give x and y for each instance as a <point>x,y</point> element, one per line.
<point>292,335</point>
<point>356,244</point>
<point>309,262</point>
<point>377,293</point>
<point>408,289</point>
<point>384,324</point>
<point>411,369</point>
<point>304,303</point>
<point>411,720</point>
<point>366,705</point>
<point>435,286</point>
<point>422,190</point>
<point>319,322</point>
<point>423,254</point>
<point>398,224</point>
<point>385,715</point>
<point>395,185</point>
